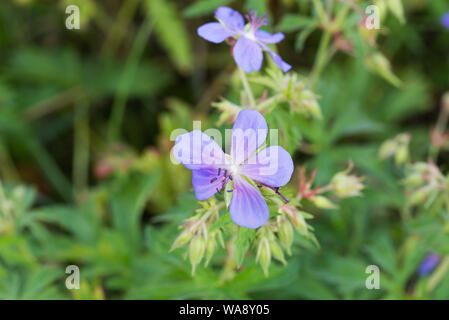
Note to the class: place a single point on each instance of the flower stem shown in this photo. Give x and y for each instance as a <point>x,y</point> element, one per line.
<point>265,104</point>
<point>321,58</point>
<point>247,88</point>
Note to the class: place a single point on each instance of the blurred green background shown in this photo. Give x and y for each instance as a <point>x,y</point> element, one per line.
<point>85,121</point>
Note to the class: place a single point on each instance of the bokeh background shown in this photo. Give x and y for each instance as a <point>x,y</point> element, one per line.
<point>85,121</point>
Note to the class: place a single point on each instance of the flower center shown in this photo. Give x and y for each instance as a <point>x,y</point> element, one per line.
<point>234,168</point>
<point>255,21</point>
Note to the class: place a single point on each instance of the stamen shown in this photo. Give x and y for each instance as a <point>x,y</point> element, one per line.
<point>256,22</point>
<point>230,177</point>
<point>225,172</point>
<point>219,170</point>
<point>213,180</point>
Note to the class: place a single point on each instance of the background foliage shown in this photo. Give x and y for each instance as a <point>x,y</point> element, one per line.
<point>85,121</point>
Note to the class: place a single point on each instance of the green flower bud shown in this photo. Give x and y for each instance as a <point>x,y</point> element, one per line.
<point>210,248</point>
<point>323,202</point>
<point>387,149</point>
<point>345,185</point>
<point>196,251</point>
<point>285,234</point>
<point>401,155</point>
<point>301,224</point>
<point>379,64</point>
<point>419,196</point>
<point>276,251</point>
<point>264,255</point>
<point>182,239</point>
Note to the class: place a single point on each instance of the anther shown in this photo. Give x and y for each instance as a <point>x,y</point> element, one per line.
<point>213,180</point>
<point>219,170</point>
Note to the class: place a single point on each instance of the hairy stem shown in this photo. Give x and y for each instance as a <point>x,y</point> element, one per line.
<point>247,88</point>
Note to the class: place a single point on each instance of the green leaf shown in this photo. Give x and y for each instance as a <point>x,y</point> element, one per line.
<point>292,22</point>
<point>244,239</point>
<point>171,32</point>
<point>128,201</point>
<point>203,7</point>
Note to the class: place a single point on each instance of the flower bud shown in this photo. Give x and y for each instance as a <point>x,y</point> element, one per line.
<point>323,202</point>
<point>388,148</point>
<point>182,239</point>
<point>285,234</point>
<point>401,155</point>
<point>210,248</point>
<point>344,185</point>
<point>196,251</point>
<point>418,196</point>
<point>264,255</point>
<point>379,64</point>
<point>276,251</point>
<point>397,147</point>
<point>301,224</point>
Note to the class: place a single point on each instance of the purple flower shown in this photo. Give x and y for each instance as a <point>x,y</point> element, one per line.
<point>251,41</point>
<point>445,20</point>
<point>428,264</point>
<point>212,168</point>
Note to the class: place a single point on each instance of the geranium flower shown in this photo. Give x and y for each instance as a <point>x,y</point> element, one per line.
<point>251,41</point>
<point>445,20</point>
<point>211,168</point>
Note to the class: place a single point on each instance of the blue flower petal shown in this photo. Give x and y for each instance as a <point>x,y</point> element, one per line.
<point>214,32</point>
<point>284,66</point>
<point>248,134</point>
<point>230,18</point>
<point>248,54</point>
<point>196,150</point>
<point>206,183</point>
<point>268,37</point>
<point>445,20</point>
<point>248,208</point>
<point>272,166</point>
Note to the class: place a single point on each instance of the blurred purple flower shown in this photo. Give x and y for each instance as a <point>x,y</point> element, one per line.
<point>251,42</point>
<point>212,168</point>
<point>445,20</point>
<point>428,264</point>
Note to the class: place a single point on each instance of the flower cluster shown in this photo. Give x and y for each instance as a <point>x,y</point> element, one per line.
<point>247,180</point>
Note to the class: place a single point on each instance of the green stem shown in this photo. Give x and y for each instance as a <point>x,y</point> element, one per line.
<point>329,28</point>
<point>81,148</point>
<point>118,108</point>
<point>264,104</point>
<point>247,88</point>
<point>320,10</point>
<point>321,58</point>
